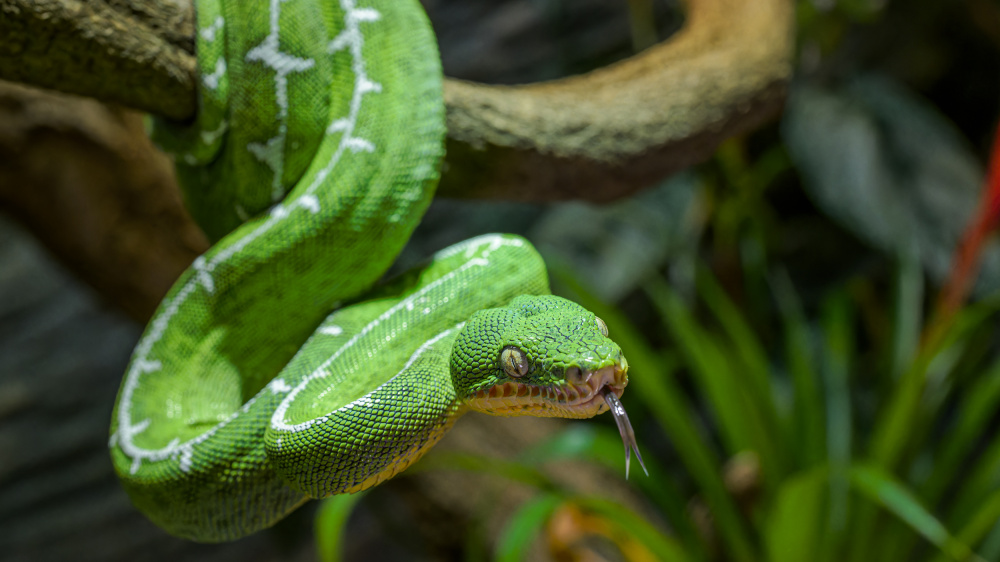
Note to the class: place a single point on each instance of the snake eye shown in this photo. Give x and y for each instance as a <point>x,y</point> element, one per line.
<point>602,327</point>
<point>514,362</point>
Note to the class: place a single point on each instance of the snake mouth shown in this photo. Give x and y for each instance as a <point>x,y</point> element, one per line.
<point>578,396</point>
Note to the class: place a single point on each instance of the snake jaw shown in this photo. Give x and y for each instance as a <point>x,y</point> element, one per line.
<point>580,396</point>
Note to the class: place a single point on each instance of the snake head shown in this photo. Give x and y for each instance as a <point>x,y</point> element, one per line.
<point>540,356</point>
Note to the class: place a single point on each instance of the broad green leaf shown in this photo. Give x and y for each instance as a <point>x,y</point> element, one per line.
<point>888,167</point>
<point>624,241</point>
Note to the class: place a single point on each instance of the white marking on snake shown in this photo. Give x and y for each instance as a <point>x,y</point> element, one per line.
<point>209,137</point>
<point>279,211</point>
<point>338,126</point>
<point>357,145</point>
<point>278,386</point>
<point>363,14</point>
<point>331,330</point>
<point>367,399</point>
<point>352,38</point>
<point>208,33</point>
<point>203,276</point>
<point>272,152</point>
<point>149,366</point>
<point>279,418</point>
<point>211,81</point>
<point>310,202</point>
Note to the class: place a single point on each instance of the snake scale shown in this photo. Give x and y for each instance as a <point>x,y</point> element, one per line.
<point>279,367</point>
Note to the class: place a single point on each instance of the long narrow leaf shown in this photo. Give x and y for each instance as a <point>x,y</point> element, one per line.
<point>663,547</point>
<point>523,527</point>
<point>603,445</point>
<point>981,403</point>
<point>751,355</point>
<point>794,529</point>
<point>908,296</point>
<point>983,478</point>
<point>838,329</point>
<point>883,489</point>
<point>985,519</point>
<point>329,524</point>
<point>892,431</point>
<point>518,472</point>
<point>807,434</point>
<point>712,369</point>
<point>649,383</point>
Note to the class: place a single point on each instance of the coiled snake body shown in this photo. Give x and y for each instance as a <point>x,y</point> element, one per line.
<point>313,157</point>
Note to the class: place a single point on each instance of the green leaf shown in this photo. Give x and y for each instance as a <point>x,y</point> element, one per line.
<point>883,489</point>
<point>808,427</point>
<point>516,471</point>
<point>982,401</point>
<point>889,167</point>
<point>794,528</point>
<point>839,350</point>
<point>603,445</point>
<point>908,296</point>
<point>979,479</point>
<point>523,527</point>
<point>893,428</point>
<point>984,520</point>
<point>331,519</point>
<point>650,383</point>
<point>712,369</point>
<point>662,546</point>
<point>751,354</point>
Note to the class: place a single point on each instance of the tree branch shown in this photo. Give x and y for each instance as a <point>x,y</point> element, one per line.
<point>117,51</point>
<point>598,136</point>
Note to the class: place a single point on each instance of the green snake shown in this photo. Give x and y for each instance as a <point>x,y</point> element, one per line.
<point>279,367</point>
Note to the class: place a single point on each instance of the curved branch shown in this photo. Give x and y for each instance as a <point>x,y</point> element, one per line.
<point>597,136</point>
<point>609,132</point>
<point>117,51</point>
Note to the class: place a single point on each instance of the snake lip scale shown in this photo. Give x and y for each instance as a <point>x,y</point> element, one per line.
<point>580,396</point>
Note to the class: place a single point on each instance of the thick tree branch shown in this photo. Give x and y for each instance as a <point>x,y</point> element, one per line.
<point>605,134</point>
<point>598,136</point>
<point>117,51</point>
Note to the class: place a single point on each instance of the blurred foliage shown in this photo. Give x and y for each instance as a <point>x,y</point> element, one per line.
<point>773,307</point>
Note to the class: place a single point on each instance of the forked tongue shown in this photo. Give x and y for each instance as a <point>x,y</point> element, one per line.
<point>624,427</point>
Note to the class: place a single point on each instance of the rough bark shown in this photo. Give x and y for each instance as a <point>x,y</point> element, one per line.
<point>117,51</point>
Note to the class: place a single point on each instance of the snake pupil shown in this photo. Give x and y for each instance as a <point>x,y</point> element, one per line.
<point>514,362</point>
